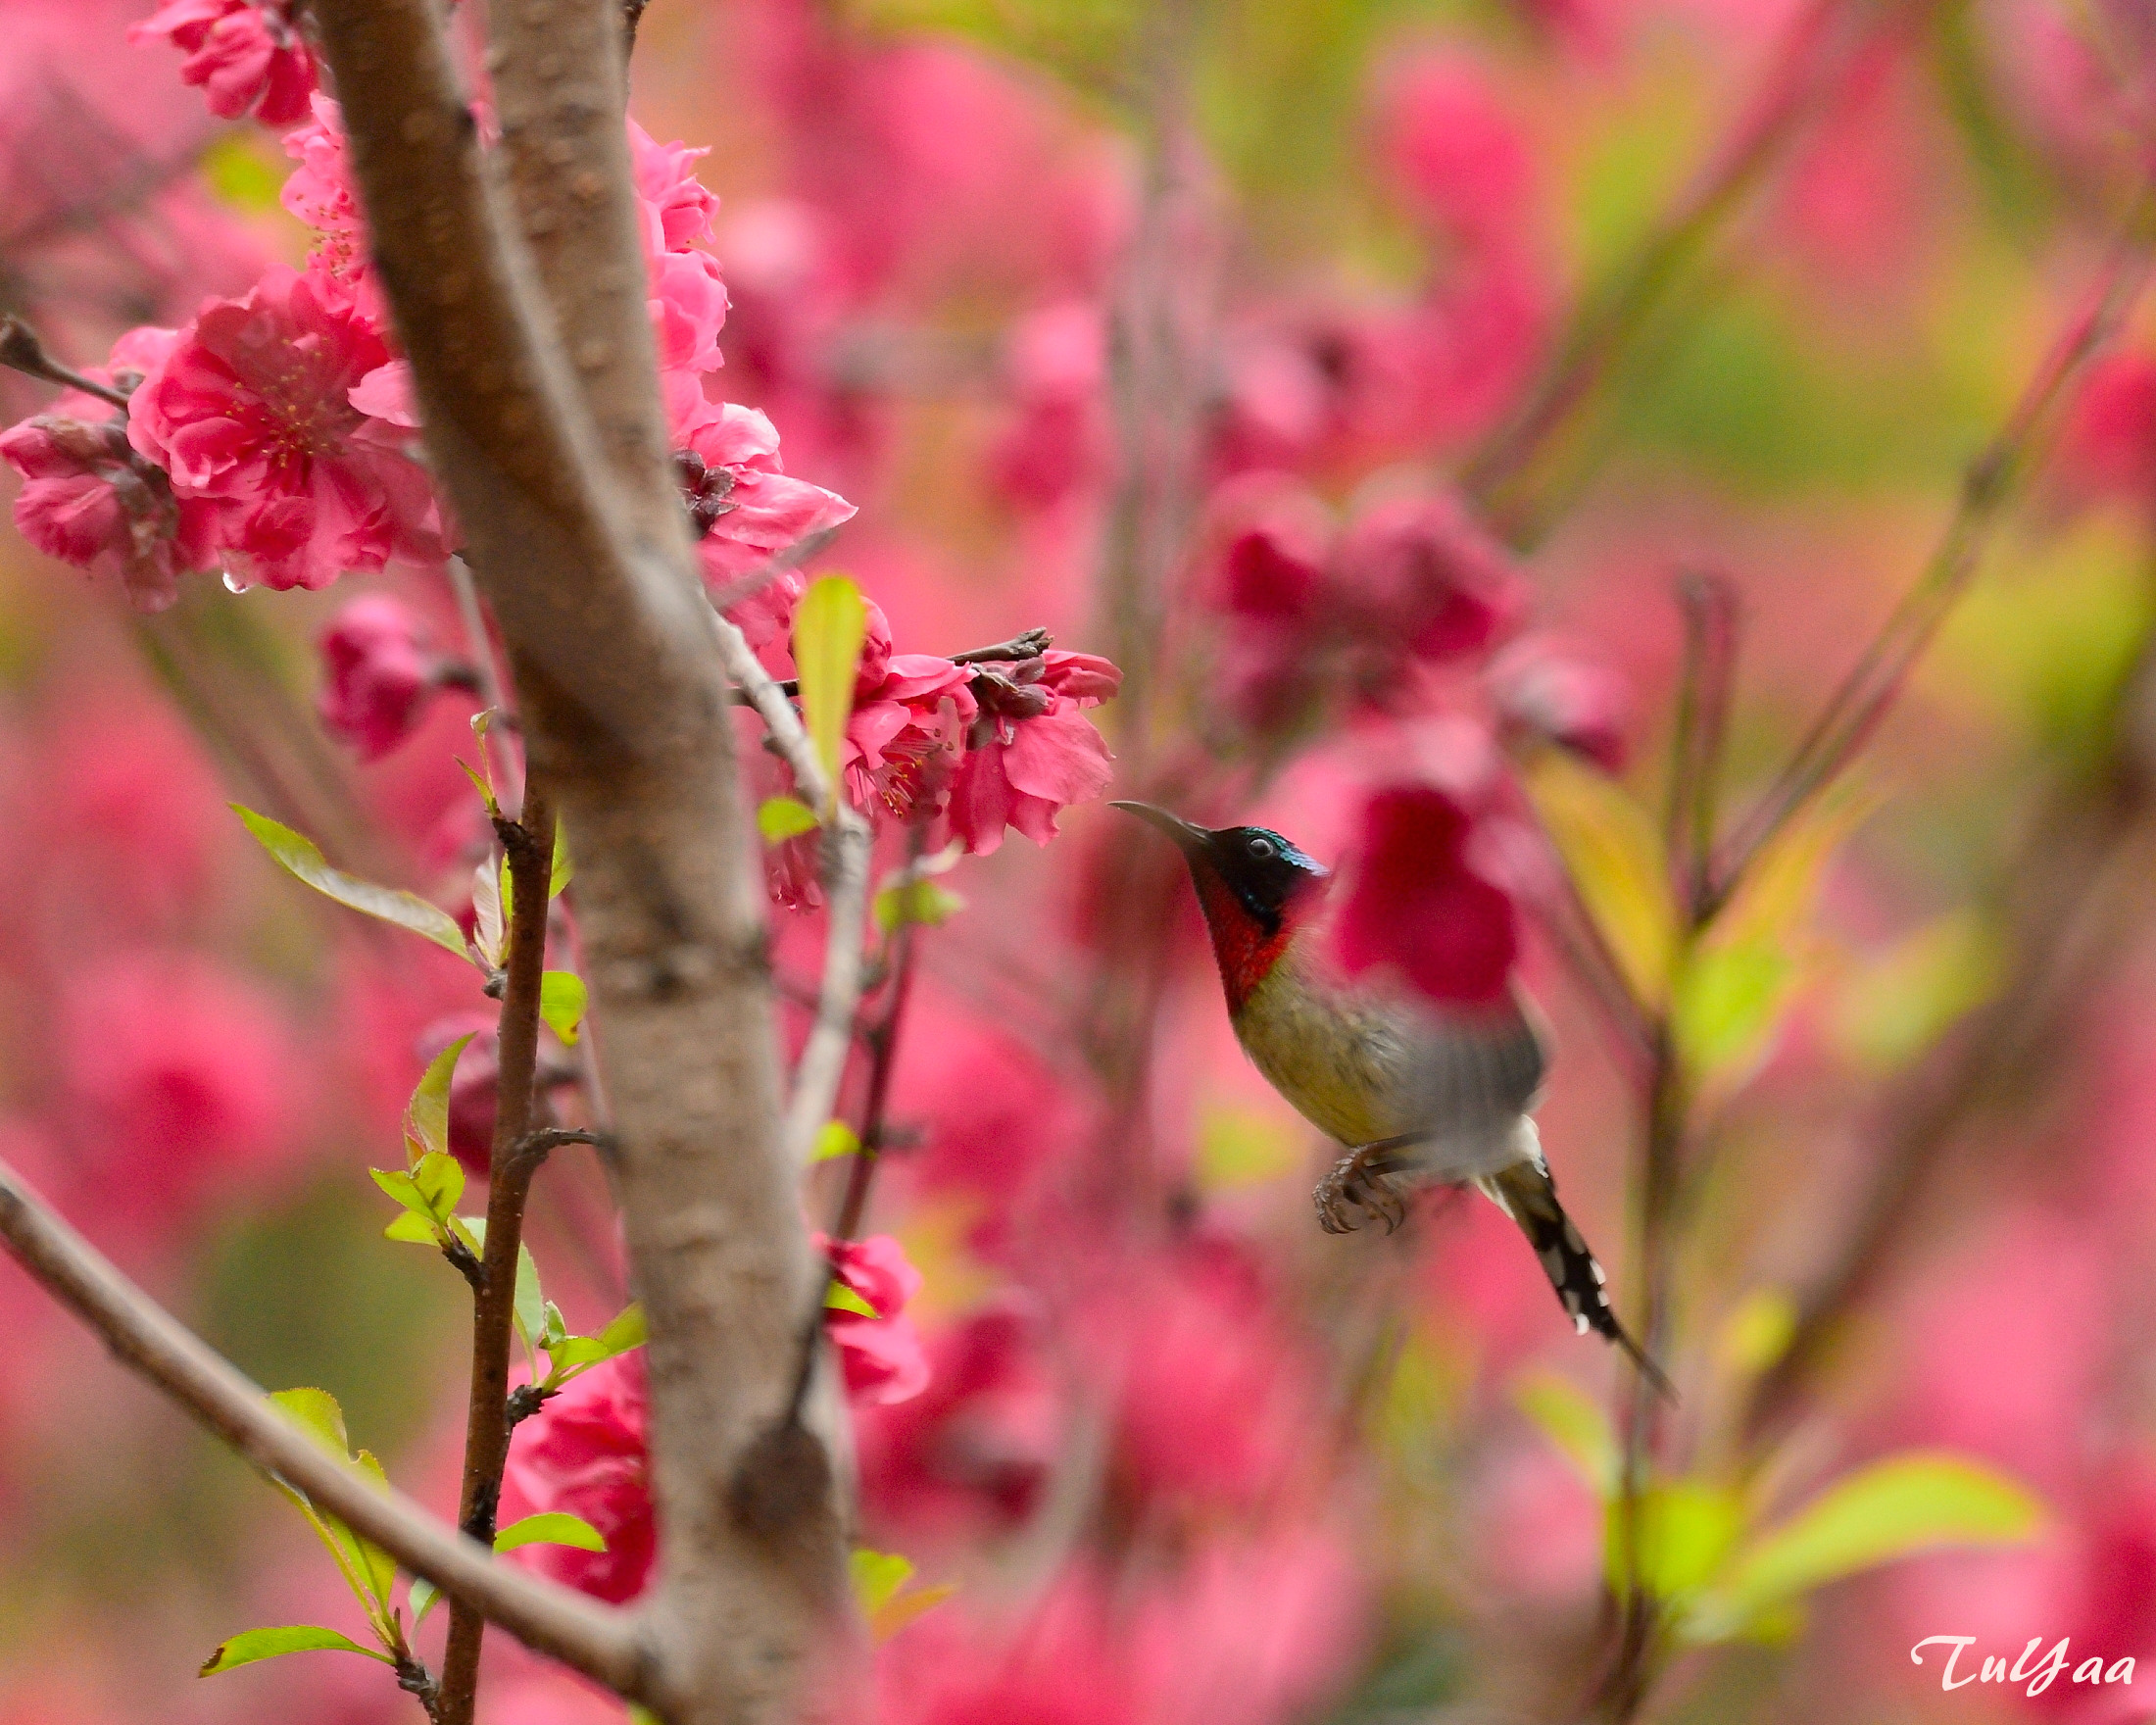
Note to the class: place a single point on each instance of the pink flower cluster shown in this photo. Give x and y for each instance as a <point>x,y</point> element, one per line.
<point>249,56</point>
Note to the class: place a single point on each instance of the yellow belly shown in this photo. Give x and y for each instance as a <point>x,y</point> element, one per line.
<point>1344,1067</point>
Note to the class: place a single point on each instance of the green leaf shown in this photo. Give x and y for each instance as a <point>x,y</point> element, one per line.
<point>1727,1004</point>
<point>834,1139</point>
<point>439,1180</point>
<point>839,1298</point>
<point>1686,1529</point>
<point>426,1114</point>
<point>239,171</point>
<point>530,1302</point>
<point>413,1228</point>
<point>893,1615</point>
<point>485,790</point>
<point>915,900</point>
<point>1575,1423</point>
<point>626,1329</point>
<point>1893,1508</point>
<point>1898,1004</point>
<point>552,1527</point>
<point>1614,856</point>
<point>315,1412</point>
<point>562,1001</point>
<point>779,818</point>
<point>422,1600</point>
<point>1756,1334</point>
<point>555,1329</point>
<point>379,1566</point>
<point>487,914</point>
<point>250,1644</point>
<point>298,856</point>
<point>830,624</point>
<point>877,1577</point>
<point>563,870</point>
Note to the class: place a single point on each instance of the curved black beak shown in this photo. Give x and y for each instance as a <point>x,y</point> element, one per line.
<point>1190,840</point>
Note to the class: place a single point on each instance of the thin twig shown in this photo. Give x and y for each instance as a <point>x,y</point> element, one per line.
<point>529,842</point>
<point>22,351</point>
<point>477,641</point>
<point>1704,692</point>
<point>1855,710</point>
<point>847,841</point>
<point>601,1644</point>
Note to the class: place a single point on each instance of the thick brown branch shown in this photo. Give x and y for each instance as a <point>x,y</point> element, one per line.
<point>601,1644</point>
<point>542,420</point>
<point>529,842</point>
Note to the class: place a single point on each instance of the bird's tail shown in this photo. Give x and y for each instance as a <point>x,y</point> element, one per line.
<point>1527,1194</point>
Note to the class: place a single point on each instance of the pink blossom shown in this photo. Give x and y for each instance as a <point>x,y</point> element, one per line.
<point>379,675</point>
<point>743,504</point>
<point>1417,905</point>
<point>977,1444</point>
<point>882,1355</point>
<point>908,723</point>
<point>248,58</point>
<point>1056,363</point>
<point>1545,690</point>
<point>319,194</point>
<point>178,1072</point>
<point>679,211</point>
<point>251,413</point>
<point>1417,579</point>
<point>1031,751</point>
<point>585,1452</point>
<point>2108,445</point>
<point>1455,150</point>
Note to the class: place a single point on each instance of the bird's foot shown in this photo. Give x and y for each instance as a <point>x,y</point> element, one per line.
<point>1360,1181</point>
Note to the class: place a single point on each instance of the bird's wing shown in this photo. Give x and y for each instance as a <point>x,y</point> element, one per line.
<point>1477,1072</point>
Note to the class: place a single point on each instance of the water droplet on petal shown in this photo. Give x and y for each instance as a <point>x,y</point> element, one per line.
<point>232,583</point>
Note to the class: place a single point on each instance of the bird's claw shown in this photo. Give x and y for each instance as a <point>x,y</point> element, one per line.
<point>1357,1182</point>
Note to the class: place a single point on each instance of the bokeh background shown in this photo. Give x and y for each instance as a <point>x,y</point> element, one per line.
<point>1063,296</point>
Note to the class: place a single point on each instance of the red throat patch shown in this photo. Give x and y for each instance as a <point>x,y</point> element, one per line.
<point>1242,945</point>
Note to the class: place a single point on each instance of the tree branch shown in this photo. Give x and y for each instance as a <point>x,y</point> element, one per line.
<point>529,842</point>
<point>552,455</point>
<point>604,1644</point>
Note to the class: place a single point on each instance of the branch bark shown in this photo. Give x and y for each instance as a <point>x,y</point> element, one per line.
<point>601,1644</point>
<point>535,371</point>
<point>529,842</point>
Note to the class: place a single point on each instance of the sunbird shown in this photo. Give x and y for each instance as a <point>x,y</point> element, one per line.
<point>1418,1093</point>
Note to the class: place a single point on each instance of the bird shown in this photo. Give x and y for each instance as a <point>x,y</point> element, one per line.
<point>1418,1093</point>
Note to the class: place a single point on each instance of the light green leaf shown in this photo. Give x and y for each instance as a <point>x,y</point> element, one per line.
<point>830,624</point>
<point>555,1329</point>
<point>315,1412</point>
<point>379,1566</point>
<point>250,1644</point>
<point>562,870</point>
<point>1575,1423</point>
<point>895,1614</point>
<point>1727,1004</point>
<point>626,1329</point>
<point>488,913</point>
<point>834,1139</point>
<point>1755,1335</point>
<point>439,1180</point>
<point>413,1228</point>
<point>426,1114</point>
<point>779,818</point>
<point>1686,1529</point>
<point>915,900</point>
<point>877,1577</point>
<point>422,1600</point>
<point>1893,1508</point>
<point>1898,1004</point>
<point>552,1527</point>
<point>839,1298</point>
<point>480,783</point>
<point>531,1303</point>
<point>1242,1147</point>
<point>562,1001</point>
<point>298,856</point>
<point>238,169</point>
<point>1614,856</point>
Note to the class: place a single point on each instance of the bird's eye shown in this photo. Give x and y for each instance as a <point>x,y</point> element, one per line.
<point>1261,848</point>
